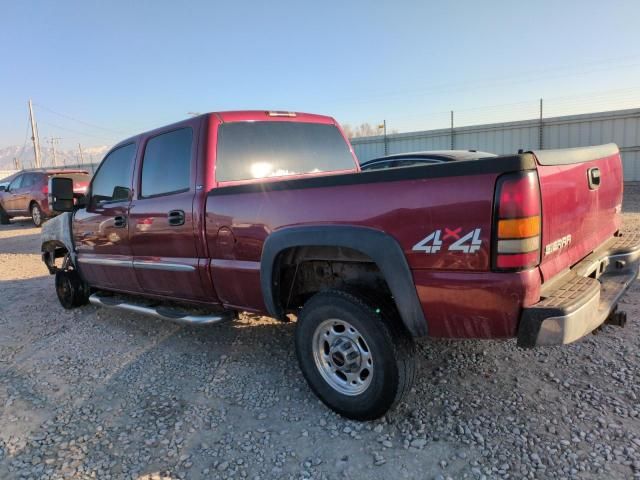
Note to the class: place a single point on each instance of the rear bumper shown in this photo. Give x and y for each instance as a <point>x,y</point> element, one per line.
<point>583,299</point>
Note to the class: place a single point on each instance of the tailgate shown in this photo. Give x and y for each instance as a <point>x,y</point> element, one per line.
<point>581,192</point>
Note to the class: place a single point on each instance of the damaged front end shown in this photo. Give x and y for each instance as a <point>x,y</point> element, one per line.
<point>57,242</point>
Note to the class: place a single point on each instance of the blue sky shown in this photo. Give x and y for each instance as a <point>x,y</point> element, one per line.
<point>117,68</point>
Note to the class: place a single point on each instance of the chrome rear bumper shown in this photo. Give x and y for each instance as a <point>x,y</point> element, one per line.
<point>584,298</point>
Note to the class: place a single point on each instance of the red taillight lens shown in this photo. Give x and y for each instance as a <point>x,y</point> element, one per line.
<point>517,221</point>
<point>519,195</point>
<point>45,189</point>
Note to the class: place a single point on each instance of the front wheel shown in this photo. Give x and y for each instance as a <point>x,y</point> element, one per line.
<point>37,215</point>
<point>358,361</point>
<point>71,290</point>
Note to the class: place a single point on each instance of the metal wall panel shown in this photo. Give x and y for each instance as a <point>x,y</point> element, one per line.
<point>621,127</point>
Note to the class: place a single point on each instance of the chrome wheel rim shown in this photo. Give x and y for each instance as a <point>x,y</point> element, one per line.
<point>342,356</point>
<point>35,215</point>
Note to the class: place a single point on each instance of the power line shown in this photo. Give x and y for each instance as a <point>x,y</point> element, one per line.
<point>92,125</point>
<point>502,80</point>
<point>78,132</point>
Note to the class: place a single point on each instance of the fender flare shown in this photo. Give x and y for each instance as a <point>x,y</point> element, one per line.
<point>383,249</point>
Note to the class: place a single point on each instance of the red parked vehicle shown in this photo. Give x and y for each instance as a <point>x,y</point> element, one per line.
<point>269,212</point>
<point>27,194</point>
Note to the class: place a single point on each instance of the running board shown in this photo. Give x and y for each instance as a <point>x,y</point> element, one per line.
<point>166,313</point>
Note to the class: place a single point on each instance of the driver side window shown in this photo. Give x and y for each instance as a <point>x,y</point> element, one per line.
<point>112,181</point>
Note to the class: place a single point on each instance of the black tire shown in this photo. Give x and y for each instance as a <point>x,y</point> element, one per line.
<point>392,352</point>
<point>36,215</point>
<point>71,290</point>
<point>4,218</point>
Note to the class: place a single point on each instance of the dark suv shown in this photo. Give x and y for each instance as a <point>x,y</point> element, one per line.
<point>27,194</point>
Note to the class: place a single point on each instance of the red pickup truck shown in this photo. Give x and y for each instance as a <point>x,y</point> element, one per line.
<point>269,212</point>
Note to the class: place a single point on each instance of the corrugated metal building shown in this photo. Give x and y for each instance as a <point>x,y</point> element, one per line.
<point>621,127</point>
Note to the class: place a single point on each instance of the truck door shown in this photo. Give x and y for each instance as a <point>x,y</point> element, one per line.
<point>101,231</point>
<point>163,230</point>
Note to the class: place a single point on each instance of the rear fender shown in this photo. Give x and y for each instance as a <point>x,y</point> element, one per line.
<point>377,245</point>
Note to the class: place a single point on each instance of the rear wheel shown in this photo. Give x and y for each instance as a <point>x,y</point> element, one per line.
<point>71,290</point>
<point>37,215</point>
<point>358,361</point>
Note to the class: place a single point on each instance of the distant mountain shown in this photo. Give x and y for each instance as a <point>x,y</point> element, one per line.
<point>69,157</point>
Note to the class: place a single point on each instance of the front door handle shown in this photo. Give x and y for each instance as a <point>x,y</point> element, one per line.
<point>176,218</point>
<point>120,221</point>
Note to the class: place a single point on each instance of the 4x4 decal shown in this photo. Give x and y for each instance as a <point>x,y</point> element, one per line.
<point>468,243</point>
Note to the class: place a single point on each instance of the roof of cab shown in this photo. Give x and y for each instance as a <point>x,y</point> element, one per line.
<point>239,116</point>
<point>271,115</point>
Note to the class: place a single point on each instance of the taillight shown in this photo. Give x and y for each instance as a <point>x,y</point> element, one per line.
<point>45,188</point>
<point>517,221</point>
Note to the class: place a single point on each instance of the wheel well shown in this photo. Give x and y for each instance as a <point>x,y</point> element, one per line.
<point>303,271</point>
<point>52,251</point>
<point>32,203</point>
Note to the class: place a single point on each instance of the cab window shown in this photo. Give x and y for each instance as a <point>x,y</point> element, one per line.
<point>112,181</point>
<point>166,166</point>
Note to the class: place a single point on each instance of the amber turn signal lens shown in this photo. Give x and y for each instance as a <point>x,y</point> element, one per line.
<point>519,227</point>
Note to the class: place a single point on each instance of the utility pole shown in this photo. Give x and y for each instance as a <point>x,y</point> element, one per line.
<point>54,141</point>
<point>541,129</point>
<point>15,163</point>
<point>34,136</point>
<point>386,146</point>
<point>81,155</point>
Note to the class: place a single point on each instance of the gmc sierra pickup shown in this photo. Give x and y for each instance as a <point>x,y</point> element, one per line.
<point>269,212</point>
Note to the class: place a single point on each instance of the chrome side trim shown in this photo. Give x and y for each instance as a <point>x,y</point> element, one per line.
<point>167,266</point>
<point>105,261</point>
<point>235,264</point>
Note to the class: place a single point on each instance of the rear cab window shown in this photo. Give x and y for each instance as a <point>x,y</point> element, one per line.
<point>260,150</point>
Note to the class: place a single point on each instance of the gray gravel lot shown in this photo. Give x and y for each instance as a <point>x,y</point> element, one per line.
<point>97,394</point>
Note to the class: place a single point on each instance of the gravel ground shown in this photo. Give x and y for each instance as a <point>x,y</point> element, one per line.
<point>97,394</point>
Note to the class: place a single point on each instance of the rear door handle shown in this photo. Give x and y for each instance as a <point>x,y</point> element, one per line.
<point>120,221</point>
<point>593,176</point>
<point>176,218</point>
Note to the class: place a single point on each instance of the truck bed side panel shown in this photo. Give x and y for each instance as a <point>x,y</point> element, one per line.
<point>409,211</point>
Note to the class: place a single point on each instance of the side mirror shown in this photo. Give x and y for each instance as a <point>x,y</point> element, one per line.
<point>61,194</point>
